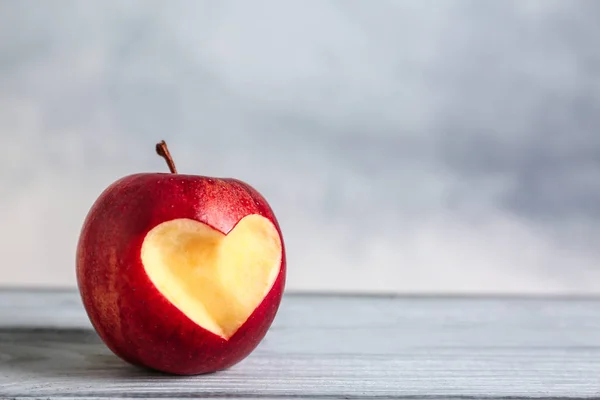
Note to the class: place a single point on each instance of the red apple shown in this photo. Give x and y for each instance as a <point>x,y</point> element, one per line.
<point>181,273</point>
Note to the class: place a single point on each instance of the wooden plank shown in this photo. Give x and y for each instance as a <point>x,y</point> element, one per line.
<point>326,347</point>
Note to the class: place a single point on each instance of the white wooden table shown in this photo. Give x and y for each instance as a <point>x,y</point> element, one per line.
<point>326,347</point>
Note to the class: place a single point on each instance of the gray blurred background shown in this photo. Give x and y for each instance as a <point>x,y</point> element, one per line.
<point>406,146</point>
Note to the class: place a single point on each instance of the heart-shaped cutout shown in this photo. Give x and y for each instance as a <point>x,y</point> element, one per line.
<point>216,280</point>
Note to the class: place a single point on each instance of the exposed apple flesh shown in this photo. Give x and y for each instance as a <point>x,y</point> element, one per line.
<point>216,280</point>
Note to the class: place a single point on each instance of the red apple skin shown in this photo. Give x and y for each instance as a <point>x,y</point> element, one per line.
<point>129,314</point>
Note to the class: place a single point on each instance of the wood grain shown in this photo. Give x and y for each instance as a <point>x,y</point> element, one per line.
<point>326,347</point>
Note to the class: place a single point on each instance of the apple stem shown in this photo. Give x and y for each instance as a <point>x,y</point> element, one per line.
<point>163,151</point>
